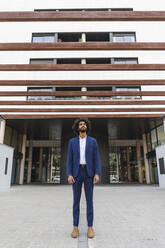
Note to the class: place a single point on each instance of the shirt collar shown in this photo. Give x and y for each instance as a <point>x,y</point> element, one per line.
<point>83,138</point>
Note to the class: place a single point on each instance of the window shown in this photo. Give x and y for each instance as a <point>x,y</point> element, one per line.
<point>97,37</point>
<point>161,135</point>
<point>44,37</point>
<point>153,138</point>
<point>98,61</point>
<point>41,89</point>
<point>123,37</point>
<point>94,9</point>
<point>124,61</point>
<point>69,61</point>
<point>51,89</point>
<point>122,9</point>
<point>69,37</point>
<point>68,97</point>
<point>42,61</point>
<point>99,89</point>
<point>119,89</point>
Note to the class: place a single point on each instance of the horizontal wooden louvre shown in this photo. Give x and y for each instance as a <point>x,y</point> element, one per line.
<point>81,67</point>
<point>83,93</point>
<point>27,16</point>
<point>79,82</point>
<point>83,102</point>
<point>44,116</point>
<point>82,110</point>
<point>60,46</point>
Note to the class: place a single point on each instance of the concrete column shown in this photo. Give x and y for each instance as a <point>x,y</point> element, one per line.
<point>83,61</point>
<point>30,161</point>
<point>138,152</point>
<point>100,132</point>
<point>2,130</point>
<point>51,164</point>
<point>147,171</point>
<point>22,165</point>
<point>40,165</point>
<point>128,166</point>
<point>83,37</point>
<point>148,139</point>
<point>48,166</point>
<point>118,162</point>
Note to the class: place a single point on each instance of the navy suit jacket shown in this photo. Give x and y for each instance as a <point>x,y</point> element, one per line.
<point>91,156</point>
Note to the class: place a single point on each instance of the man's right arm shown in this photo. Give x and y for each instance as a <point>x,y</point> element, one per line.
<point>70,164</point>
<point>69,159</point>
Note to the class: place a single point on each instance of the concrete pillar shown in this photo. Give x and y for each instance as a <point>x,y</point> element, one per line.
<point>22,165</point>
<point>66,136</point>
<point>118,164</point>
<point>48,166</point>
<point>83,61</point>
<point>2,130</point>
<point>147,170</point>
<point>83,37</point>
<point>138,152</point>
<point>40,165</point>
<point>128,166</point>
<point>51,164</point>
<point>100,132</point>
<point>149,146</point>
<point>30,161</point>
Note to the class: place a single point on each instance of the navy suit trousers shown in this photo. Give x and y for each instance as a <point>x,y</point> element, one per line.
<point>83,177</point>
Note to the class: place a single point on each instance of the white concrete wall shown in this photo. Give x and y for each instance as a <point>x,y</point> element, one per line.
<point>5,179</point>
<point>22,5</point>
<point>160,153</point>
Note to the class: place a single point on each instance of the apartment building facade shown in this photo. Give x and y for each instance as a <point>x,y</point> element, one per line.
<point>60,62</point>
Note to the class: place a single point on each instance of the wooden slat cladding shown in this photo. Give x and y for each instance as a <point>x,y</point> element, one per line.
<point>83,93</point>
<point>80,82</point>
<point>28,16</point>
<point>82,110</point>
<point>63,46</point>
<point>82,67</point>
<point>44,116</point>
<point>84,102</point>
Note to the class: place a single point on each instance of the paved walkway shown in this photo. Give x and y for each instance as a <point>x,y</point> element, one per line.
<point>40,216</point>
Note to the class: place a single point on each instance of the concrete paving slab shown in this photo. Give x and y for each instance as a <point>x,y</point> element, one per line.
<point>40,216</point>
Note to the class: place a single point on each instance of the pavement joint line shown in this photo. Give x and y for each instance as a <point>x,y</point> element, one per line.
<point>82,239</point>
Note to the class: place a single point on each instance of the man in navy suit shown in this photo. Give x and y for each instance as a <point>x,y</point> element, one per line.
<point>83,166</point>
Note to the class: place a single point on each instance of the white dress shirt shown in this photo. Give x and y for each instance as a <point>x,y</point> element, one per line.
<point>82,149</point>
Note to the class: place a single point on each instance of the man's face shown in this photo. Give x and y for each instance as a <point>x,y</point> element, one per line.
<point>82,127</point>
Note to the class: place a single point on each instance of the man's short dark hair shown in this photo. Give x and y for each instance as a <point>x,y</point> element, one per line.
<point>76,124</point>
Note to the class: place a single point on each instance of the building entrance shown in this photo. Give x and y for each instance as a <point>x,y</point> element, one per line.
<point>126,148</point>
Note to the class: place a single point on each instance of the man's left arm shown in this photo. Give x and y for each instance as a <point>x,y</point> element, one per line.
<point>96,162</point>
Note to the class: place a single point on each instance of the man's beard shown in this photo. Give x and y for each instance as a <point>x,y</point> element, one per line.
<point>82,130</point>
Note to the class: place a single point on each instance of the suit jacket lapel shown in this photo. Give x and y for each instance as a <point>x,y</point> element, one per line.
<point>78,147</point>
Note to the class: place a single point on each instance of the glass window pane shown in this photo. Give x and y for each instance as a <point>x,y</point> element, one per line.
<point>131,61</point>
<point>41,61</point>
<point>118,39</point>
<point>42,38</point>
<point>122,37</point>
<point>161,135</point>
<point>153,138</point>
<point>40,97</point>
<point>129,38</point>
<point>125,61</point>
